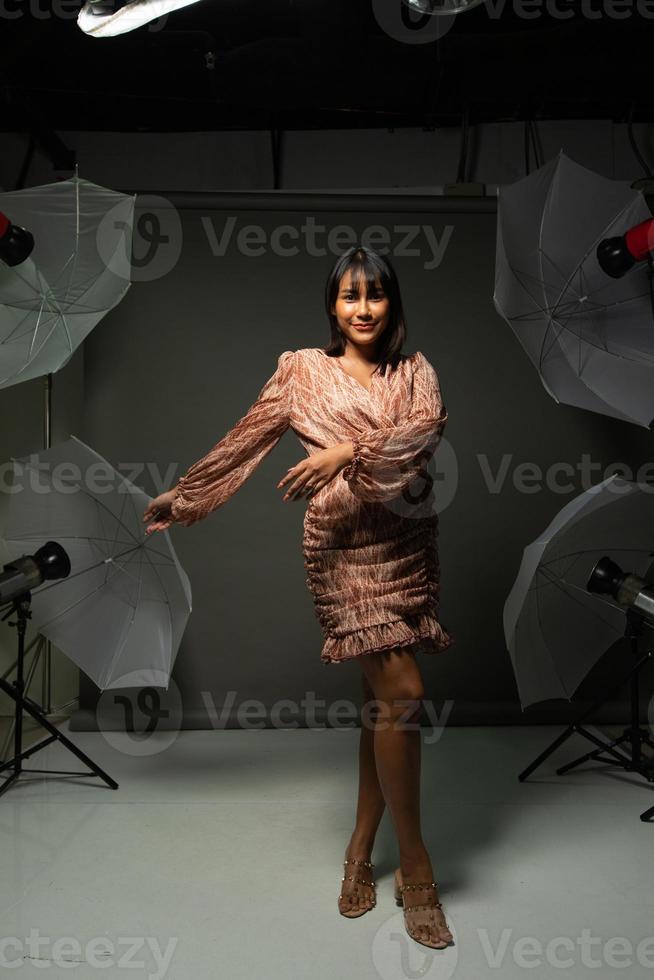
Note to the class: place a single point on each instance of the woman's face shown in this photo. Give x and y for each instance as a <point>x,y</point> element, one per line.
<point>362,317</point>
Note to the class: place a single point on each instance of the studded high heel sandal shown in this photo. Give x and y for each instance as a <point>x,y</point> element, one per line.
<point>361,881</point>
<point>400,889</point>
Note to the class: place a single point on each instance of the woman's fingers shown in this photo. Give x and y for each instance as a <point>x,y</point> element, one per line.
<point>154,508</point>
<point>157,526</point>
<point>151,510</point>
<point>291,473</point>
<point>305,487</point>
<point>303,478</point>
<point>298,474</point>
<point>293,491</point>
<point>311,485</point>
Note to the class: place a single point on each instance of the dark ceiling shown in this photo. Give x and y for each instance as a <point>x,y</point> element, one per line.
<point>280,64</point>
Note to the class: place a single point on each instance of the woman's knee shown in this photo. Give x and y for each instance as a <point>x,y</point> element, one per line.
<point>395,680</point>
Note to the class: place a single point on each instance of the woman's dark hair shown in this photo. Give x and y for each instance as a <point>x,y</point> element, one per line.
<point>369,267</point>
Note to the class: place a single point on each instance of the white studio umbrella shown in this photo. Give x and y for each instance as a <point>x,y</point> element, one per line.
<point>555,629</point>
<point>123,609</point>
<point>590,336</point>
<point>78,270</point>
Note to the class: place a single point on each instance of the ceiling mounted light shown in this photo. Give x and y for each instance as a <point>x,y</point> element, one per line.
<point>106,18</point>
<point>441,7</point>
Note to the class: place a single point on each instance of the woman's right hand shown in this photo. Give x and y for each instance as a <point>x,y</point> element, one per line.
<point>158,510</point>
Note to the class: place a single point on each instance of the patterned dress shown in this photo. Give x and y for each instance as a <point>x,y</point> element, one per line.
<point>370,534</point>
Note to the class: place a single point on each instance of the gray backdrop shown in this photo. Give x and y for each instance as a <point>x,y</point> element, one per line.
<point>183,357</point>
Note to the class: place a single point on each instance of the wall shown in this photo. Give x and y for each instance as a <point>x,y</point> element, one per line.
<point>364,159</point>
<point>183,357</point>
<point>147,349</point>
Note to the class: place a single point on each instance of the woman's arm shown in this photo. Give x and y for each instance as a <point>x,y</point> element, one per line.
<point>210,482</point>
<point>385,461</point>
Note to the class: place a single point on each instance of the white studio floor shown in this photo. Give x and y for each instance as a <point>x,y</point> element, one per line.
<point>220,855</point>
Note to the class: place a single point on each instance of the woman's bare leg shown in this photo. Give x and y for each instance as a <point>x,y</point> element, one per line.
<point>395,679</point>
<point>370,809</point>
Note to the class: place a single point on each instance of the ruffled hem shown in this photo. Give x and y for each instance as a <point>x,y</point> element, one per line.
<point>421,631</point>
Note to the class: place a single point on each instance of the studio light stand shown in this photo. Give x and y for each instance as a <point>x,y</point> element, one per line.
<point>51,555</point>
<point>627,749</point>
<point>43,645</point>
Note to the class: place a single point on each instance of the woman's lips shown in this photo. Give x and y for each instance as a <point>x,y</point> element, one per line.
<point>363,326</point>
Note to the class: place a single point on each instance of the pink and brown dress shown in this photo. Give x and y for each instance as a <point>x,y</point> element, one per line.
<point>371,557</point>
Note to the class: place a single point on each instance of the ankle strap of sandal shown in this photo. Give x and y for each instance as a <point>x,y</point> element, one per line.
<point>416,887</point>
<point>366,864</point>
<point>422,908</point>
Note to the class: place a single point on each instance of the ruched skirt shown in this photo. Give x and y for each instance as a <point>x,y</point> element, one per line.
<point>374,575</point>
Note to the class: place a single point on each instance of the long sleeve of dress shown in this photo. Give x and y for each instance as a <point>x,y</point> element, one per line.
<point>210,482</point>
<point>386,460</point>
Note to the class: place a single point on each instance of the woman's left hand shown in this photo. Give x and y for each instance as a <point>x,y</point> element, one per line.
<point>310,475</point>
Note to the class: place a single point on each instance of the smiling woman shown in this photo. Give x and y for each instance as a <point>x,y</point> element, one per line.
<point>374,416</point>
<point>363,410</point>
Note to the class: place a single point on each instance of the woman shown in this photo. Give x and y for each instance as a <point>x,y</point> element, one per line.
<point>368,417</point>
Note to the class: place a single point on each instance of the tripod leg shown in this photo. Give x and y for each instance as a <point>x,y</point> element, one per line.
<point>620,757</point>
<point>40,642</point>
<point>575,726</point>
<point>40,717</point>
<point>548,751</point>
<point>39,639</point>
